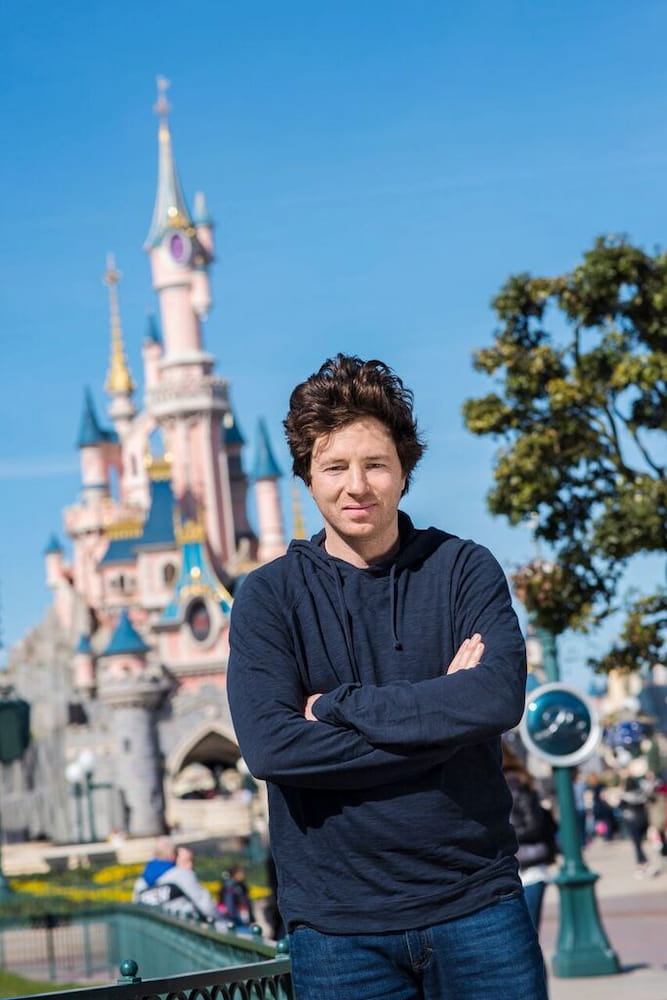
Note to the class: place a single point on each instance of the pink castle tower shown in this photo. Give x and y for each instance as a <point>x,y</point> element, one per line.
<point>189,402</point>
<point>160,539</point>
<point>267,474</point>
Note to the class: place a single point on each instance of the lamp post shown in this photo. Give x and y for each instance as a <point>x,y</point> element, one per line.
<point>14,739</point>
<point>80,776</point>
<point>87,762</point>
<point>74,776</point>
<point>583,948</point>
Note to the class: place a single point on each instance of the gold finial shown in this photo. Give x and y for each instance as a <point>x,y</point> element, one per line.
<point>297,513</point>
<point>119,381</point>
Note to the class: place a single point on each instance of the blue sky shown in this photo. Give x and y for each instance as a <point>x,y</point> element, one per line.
<point>376,169</point>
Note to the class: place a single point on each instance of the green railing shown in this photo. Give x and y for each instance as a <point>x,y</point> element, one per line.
<point>90,946</point>
<point>269,980</point>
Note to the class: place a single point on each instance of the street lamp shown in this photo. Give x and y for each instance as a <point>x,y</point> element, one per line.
<point>74,776</point>
<point>14,739</point>
<point>80,776</point>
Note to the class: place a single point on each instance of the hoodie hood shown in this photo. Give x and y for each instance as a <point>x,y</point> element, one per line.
<point>415,547</point>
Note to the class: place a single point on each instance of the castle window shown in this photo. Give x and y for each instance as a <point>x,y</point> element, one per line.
<point>199,620</point>
<point>169,574</point>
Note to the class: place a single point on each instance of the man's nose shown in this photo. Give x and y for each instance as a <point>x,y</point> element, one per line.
<point>357,481</point>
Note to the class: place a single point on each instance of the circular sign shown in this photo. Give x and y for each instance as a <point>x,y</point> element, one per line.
<point>560,725</point>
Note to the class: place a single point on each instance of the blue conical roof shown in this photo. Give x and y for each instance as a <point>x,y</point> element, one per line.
<point>53,545</point>
<point>231,432</point>
<point>153,333</point>
<point>265,466</point>
<point>200,213</point>
<point>83,645</point>
<point>171,210</point>
<point>90,431</point>
<point>159,525</point>
<point>125,639</point>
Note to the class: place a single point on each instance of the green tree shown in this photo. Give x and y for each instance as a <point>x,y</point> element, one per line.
<point>580,410</point>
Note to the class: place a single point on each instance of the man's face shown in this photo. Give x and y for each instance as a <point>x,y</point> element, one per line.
<point>357,482</point>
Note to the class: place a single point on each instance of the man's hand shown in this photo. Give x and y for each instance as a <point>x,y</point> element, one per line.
<point>468,655</point>
<point>308,710</point>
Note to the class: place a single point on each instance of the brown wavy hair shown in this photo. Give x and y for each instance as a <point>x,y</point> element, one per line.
<point>347,389</point>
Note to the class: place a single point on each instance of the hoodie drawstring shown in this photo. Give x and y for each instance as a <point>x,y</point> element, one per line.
<point>346,622</point>
<point>393,607</point>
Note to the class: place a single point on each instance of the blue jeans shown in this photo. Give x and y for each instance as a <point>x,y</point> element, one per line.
<point>493,954</point>
<point>534,893</point>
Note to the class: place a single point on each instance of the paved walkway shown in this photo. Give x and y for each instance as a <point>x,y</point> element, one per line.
<point>634,916</point>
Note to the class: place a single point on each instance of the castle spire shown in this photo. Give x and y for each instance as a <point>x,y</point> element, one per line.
<point>119,381</point>
<point>299,525</point>
<point>170,211</point>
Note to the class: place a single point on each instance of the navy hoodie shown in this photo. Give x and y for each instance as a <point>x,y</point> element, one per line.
<point>391,811</point>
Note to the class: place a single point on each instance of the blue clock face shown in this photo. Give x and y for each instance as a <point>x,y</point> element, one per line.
<point>560,725</point>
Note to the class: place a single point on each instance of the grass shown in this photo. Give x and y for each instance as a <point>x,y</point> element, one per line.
<point>12,985</point>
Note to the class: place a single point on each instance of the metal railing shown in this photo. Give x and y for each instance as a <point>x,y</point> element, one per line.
<point>267,980</point>
<point>90,946</point>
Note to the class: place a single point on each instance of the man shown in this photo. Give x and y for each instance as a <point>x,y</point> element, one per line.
<point>234,898</point>
<point>164,858</point>
<point>372,672</point>
<point>177,890</point>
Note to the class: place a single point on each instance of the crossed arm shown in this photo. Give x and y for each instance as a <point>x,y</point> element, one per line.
<point>370,735</point>
<point>467,656</point>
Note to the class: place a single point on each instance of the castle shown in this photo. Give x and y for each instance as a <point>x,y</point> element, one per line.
<point>130,664</point>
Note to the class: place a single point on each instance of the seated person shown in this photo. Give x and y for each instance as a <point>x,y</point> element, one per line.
<point>178,891</point>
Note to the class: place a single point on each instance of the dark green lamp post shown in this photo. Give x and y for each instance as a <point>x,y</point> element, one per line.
<point>14,738</point>
<point>561,726</point>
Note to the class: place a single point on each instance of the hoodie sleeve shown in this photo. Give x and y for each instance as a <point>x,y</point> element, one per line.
<point>267,700</point>
<point>453,710</point>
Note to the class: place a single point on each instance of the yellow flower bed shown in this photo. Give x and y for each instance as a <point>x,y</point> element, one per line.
<point>112,884</point>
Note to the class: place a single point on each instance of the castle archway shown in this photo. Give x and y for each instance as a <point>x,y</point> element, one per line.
<point>202,782</point>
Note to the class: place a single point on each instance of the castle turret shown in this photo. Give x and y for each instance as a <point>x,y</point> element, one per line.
<point>58,582</point>
<point>119,382</point>
<point>238,481</point>
<point>84,667</point>
<point>267,474</point>
<point>176,254</point>
<point>53,561</point>
<point>132,691</point>
<point>97,449</point>
<point>189,401</point>
<point>152,353</point>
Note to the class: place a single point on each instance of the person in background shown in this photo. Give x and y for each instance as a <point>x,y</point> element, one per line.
<point>234,898</point>
<point>164,858</point>
<point>178,891</point>
<point>535,829</point>
<point>635,818</point>
<point>657,812</point>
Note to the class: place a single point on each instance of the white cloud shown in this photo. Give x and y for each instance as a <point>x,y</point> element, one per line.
<point>39,467</point>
